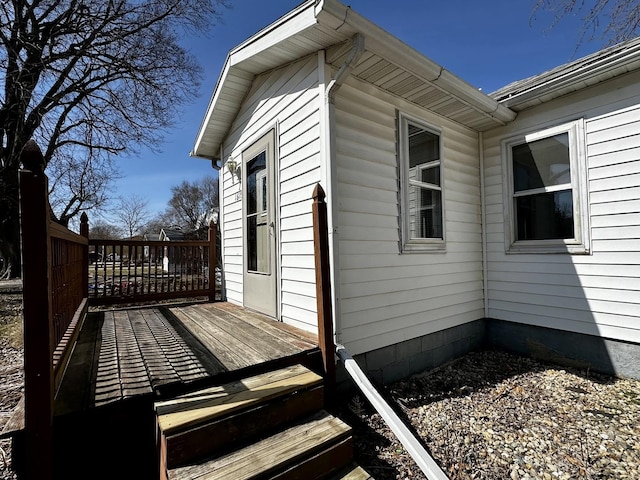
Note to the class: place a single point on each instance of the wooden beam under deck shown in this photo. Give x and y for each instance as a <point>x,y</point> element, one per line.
<point>126,353</point>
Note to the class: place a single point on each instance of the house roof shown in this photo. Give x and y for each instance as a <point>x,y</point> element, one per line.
<point>171,235</point>
<point>570,77</point>
<point>386,62</point>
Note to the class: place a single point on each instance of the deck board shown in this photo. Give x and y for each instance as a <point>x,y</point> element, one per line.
<point>131,352</point>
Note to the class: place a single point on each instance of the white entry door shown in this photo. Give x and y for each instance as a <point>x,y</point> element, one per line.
<point>258,211</point>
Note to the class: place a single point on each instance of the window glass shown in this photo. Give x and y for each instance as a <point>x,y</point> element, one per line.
<point>542,163</point>
<point>423,185</point>
<point>546,197</point>
<point>424,146</point>
<point>256,219</point>
<point>426,220</point>
<point>545,216</point>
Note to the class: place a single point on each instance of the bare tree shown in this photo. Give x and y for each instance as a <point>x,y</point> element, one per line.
<point>133,214</point>
<point>611,20</point>
<point>103,230</point>
<point>192,204</point>
<point>86,80</point>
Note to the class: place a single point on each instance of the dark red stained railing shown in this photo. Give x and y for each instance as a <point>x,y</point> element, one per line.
<point>130,271</point>
<point>59,282</point>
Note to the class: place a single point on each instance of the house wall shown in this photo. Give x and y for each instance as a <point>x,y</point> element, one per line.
<point>386,297</point>
<point>287,99</point>
<point>598,293</point>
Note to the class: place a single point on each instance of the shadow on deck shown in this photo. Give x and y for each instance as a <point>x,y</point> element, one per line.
<point>126,359</point>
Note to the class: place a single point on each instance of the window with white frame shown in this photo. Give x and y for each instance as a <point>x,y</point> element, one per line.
<point>421,186</point>
<point>546,192</point>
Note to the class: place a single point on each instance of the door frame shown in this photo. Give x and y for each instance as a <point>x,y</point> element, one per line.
<point>267,282</point>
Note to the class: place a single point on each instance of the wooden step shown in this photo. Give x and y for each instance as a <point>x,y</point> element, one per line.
<point>195,425</point>
<point>352,472</point>
<point>314,449</point>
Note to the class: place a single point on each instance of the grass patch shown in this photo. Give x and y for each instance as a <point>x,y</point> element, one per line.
<point>11,320</point>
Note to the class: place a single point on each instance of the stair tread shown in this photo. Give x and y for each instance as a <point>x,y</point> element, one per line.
<point>187,410</point>
<point>269,454</point>
<point>352,472</point>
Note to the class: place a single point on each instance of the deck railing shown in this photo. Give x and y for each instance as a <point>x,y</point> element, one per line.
<point>61,275</point>
<point>129,271</point>
<point>54,296</point>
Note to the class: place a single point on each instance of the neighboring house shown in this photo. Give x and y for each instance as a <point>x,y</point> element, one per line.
<point>456,219</point>
<point>170,256</point>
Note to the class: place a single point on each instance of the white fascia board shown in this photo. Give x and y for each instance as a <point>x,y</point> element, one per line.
<point>298,19</point>
<point>382,43</point>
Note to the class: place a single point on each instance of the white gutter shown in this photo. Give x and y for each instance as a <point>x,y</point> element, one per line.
<point>422,458</point>
<point>357,49</point>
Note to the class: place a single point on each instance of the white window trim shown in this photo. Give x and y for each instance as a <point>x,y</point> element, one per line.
<point>580,244</point>
<point>407,244</point>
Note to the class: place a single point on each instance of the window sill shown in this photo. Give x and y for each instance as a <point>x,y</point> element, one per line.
<point>547,247</point>
<point>427,247</point>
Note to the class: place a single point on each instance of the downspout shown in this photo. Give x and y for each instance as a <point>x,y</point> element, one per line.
<point>357,48</point>
<point>483,224</point>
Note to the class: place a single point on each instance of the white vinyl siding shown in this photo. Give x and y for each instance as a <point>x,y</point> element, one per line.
<point>595,294</point>
<point>286,98</point>
<point>385,297</point>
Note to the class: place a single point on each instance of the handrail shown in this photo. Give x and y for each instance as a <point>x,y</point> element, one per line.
<point>425,462</point>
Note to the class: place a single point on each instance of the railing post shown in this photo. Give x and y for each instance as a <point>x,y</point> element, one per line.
<point>213,256</point>
<point>323,290</point>
<point>38,319</point>
<point>84,231</point>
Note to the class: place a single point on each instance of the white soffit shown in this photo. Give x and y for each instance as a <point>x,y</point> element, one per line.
<point>387,63</point>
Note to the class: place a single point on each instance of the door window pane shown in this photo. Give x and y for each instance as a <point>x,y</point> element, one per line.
<point>257,218</point>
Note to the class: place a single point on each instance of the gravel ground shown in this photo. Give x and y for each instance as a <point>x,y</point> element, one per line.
<point>11,373</point>
<point>491,415</point>
<point>488,415</point>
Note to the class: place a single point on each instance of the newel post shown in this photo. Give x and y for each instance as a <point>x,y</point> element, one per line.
<point>213,256</point>
<point>38,319</point>
<point>84,231</point>
<point>323,289</point>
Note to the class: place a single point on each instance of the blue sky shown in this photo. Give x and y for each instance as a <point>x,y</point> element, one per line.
<point>489,44</point>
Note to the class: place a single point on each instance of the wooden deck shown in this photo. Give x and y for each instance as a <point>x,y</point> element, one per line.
<point>168,349</point>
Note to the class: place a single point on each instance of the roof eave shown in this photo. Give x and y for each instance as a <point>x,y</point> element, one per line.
<point>586,75</point>
<point>346,22</point>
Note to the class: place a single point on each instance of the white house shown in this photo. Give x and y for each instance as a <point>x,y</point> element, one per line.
<point>457,219</point>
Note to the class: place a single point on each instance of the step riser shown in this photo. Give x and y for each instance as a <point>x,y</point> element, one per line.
<point>181,448</point>
<point>321,465</point>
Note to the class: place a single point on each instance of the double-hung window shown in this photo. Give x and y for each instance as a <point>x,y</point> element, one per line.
<point>546,192</point>
<point>421,186</point>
